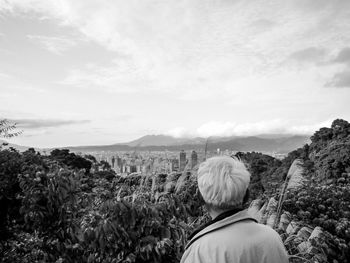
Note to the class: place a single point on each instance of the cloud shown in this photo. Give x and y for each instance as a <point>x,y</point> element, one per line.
<point>56,45</point>
<point>340,80</point>
<point>343,56</point>
<point>311,54</point>
<point>172,44</point>
<point>263,24</point>
<point>164,37</point>
<point>123,76</point>
<point>8,95</point>
<point>226,129</point>
<point>45,123</point>
<point>321,5</point>
<point>179,132</point>
<point>126,76</point>
<point>227,55</point>
<point>36,132</point>
<point>4,75</point>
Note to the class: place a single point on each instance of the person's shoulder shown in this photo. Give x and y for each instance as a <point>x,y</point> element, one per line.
<point>268,234</point>
<point>269,240</point>
<point>267,229</point>
<point>199,251</point>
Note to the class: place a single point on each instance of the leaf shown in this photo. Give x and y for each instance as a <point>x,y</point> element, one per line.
<point>165,233</point>
<point>149,239</point>
<point>91,258</point>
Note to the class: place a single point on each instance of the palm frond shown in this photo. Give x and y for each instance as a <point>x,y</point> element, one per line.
<point>284,221</point>
<point>7,129</point>
<point>154,183</point>
<point>269,210</point>
<point>271,219</point>
<point>181,182</point>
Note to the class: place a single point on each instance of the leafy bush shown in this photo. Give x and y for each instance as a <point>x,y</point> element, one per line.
<point>55,209</point>
<point>71,159</point>
<point>327,206</point>
<point>70,216</point>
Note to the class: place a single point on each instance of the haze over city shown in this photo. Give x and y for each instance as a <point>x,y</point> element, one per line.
<point>101,72</point>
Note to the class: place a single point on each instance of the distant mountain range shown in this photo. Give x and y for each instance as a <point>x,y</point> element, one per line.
<point>162,140</point>
<point>16,146</point>
<point>263,143</point>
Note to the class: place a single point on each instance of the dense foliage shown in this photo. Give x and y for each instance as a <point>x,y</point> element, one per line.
<point>68,208</point>
<point>265,171</point>
<point>58,213</point>
<point>324,200</point>
<point>71,160</point>
<point>314,206</point>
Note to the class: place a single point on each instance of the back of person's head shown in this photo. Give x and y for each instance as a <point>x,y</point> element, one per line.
<point>223,182</point>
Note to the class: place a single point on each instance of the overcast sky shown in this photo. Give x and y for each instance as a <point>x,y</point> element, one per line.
<point>82,72</point>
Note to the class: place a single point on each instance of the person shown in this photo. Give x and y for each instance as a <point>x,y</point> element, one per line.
<point>233,236</point>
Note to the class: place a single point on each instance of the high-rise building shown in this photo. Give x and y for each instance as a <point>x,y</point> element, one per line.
<point>113,161</point>
<point>119,162</point>
<point>123,166</point>
<point>182,160</point>
<point>133,168</point>
<point>194,159</point>
<point>175,165</point>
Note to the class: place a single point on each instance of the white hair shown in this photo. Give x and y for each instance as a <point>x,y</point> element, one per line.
<point>223,181</point>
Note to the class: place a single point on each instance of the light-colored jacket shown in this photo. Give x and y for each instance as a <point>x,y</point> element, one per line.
<point>236,239</point>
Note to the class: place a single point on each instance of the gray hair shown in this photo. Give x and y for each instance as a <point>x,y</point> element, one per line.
<point>223,182</point>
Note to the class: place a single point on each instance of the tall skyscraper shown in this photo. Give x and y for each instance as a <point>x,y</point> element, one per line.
<point>119,162</point>
<point>123,166</point>
<point>175,165</point>
<point>194,159</point>
<point>133,168</point>
<point>182,160</point>
<point>113,161</point>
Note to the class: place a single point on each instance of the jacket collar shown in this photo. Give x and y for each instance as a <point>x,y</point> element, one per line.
<point>220,222</point>
<point>216,219</point>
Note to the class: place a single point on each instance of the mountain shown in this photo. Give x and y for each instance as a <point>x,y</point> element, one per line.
<point>16,146</point>
<point>156,140</point>
<point>276,144</point>
<point>261,143</point>
<point>280,145</point>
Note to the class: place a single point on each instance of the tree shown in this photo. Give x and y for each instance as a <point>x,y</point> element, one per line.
<point>71,159</point>
<point>105,165</point>
<point>90,158</point>
<point>10,167</point>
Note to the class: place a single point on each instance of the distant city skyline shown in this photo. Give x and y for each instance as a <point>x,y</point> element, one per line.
<point>87,72</point>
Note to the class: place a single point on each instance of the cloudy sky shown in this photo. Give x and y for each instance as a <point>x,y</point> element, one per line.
<point>83,72</point>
